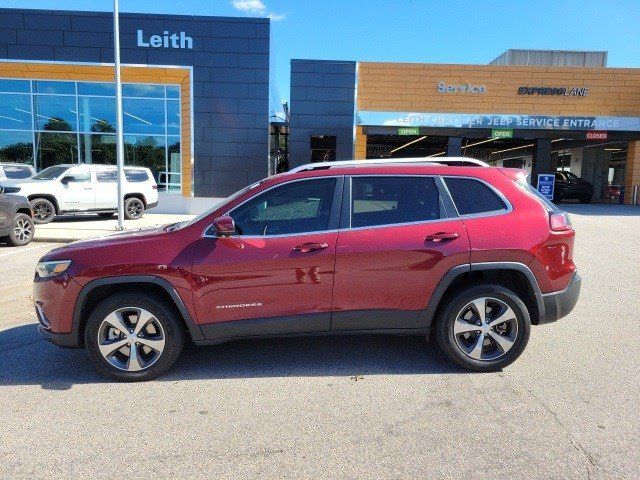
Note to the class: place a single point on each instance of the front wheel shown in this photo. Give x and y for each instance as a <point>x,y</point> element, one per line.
<point>484,328</point>
<point>133,337</point>
<point>43,210</point>
<point>133,208</point>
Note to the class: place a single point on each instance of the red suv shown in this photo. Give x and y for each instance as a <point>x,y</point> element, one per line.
<point>471,254</point>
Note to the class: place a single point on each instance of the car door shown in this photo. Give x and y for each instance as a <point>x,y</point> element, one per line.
<point>397,240</point>
<point>6,213</point>
<point>106,191</point>
<point>77,189</point>
<point>275,275</point>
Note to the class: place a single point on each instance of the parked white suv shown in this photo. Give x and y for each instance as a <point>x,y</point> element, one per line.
<point>65,189</point>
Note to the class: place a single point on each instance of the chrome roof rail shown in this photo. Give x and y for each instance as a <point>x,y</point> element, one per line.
<point>390,161</point>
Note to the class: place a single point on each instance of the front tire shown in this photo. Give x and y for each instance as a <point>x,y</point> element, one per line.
<point>484,328</point>
<point>133,208</point>
<point>133,337</point>
<point>43,210</point>
<point>22,230</point>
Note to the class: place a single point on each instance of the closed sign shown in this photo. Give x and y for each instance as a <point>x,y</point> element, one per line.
<point>596,135</point>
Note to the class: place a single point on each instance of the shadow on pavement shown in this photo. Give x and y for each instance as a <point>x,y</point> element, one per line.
<point>27,359</point>
<point>601,210</point>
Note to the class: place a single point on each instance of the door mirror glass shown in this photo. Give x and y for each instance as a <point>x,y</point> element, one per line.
<point>223,226</point>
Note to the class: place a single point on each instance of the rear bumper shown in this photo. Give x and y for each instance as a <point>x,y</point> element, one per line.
<point>64,340</point>
<point>560,304</point>
<point>152,205</point>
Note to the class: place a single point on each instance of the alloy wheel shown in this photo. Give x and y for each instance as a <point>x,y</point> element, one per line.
<point>22,230</point>
<point>485,329</point>
<point>42,212</point>
<point>131,339</point>
<point>135,208</point>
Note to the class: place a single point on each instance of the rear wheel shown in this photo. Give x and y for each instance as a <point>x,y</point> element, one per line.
<point>484,328</point>
<point>21,231</point>
<point>133,208</point>
<point>133,337</point>
<point>43,210</point>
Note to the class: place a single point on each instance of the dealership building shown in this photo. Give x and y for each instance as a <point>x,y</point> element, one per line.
<point>544,111</point>
<point>199,103</point>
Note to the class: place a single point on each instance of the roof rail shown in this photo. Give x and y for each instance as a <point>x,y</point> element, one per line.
<point>357,163</point>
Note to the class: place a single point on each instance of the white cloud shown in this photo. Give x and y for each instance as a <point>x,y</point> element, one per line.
<point>255,7</point>
<point>276,17</point>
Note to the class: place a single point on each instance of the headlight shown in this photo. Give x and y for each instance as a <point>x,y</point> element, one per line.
<point>52,269</point>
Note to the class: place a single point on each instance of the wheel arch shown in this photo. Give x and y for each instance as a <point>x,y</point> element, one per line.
<point>512,275</point>
<point>46,196</point>
<point>97,290</point>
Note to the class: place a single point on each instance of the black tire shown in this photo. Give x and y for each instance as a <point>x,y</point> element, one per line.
<point>446,340</point>
<point>43,210</point>
<point>22,230</point>
<point>133,208</point>
<point>164,314</point>
<point>106,215</point>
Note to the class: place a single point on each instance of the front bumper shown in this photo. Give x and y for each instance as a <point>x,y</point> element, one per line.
<point>64,340</point>
<point>560,304</point>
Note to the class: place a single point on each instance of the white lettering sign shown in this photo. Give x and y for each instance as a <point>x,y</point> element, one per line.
<point>166,40</point>
<point>462,88</point>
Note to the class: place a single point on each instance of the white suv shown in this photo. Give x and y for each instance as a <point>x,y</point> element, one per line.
<point>64,189</point>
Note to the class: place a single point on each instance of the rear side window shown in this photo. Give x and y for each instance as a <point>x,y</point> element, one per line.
<point>136,175</point>
<point>107,176</point>
<point>16,172</point>
<point>473,197</point>
<point>392,200</point>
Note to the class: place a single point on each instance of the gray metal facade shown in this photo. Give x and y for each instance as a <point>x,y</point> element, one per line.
<point>322,103</point>
<point>230,60</point>
<point>552,58</point>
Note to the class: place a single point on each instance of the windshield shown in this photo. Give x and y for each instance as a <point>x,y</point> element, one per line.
<point>50,173</point>
<point>215,207</point>
<point>571,176</point>
<point>16,172</point>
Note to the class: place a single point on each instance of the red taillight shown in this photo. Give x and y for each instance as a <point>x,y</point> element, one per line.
<point>155,187</point>
<point>559,221</point>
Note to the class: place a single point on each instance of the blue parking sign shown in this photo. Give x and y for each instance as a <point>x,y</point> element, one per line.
<point>546,183</point>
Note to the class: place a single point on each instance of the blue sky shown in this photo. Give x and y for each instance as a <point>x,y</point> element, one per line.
<point>445,31</point>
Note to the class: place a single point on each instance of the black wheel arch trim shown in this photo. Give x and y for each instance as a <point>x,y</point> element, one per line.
<point>428,314</point>
<point>194,328</point>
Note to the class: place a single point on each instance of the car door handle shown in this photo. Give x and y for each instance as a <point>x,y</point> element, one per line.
<point>441,237</point>
<point>310,247</point>
<point>88,188</point>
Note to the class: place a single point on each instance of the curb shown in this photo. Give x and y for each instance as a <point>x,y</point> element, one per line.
<point>56,240</point>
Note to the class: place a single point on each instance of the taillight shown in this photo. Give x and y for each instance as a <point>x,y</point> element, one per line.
<point>559,221</point>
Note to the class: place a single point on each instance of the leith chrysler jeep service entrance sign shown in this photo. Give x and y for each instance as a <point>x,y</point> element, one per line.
<point>166,40</point>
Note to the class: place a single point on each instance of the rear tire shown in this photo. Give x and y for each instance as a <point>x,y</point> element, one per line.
<point>43,210</point>
<point>133,208</point>
<point>22,230</point>
<point>122,349</point>
<point>483,342</point>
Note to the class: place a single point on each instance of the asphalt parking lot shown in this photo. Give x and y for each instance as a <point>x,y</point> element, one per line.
<point>341,407</point>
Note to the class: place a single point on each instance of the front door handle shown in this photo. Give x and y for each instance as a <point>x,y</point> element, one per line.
<point>310,247</point>
<point>442,237</point>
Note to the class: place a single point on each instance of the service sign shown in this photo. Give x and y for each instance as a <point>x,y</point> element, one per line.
<point>546,183</point>
<point>597,135</point>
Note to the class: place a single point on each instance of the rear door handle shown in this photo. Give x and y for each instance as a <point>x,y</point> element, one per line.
<point>310,247</point>
<point>441,237</point>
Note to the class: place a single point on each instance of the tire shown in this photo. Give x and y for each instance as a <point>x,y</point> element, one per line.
<point>43,210</point>
<point>163,329</point>
<point>133,208</point>
<point>22,230</point>
<point>462,347</point>
<point>106,215</point>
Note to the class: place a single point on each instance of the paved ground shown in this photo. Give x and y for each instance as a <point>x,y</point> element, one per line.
<point>366,407</point>
<point>68,228</point>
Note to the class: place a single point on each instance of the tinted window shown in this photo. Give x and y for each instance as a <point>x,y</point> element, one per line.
<point>106,176</point>
<point>50,173</point>
<point>14,172</point>
<point>19,86</point>
<point>292,208</point>
<point>78,177</point>
<point>47,86</point>
<point>136,175</point>
<point>472,196</point>
<point>389,200</point>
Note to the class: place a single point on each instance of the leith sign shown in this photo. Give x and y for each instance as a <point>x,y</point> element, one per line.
<point>166,40</point>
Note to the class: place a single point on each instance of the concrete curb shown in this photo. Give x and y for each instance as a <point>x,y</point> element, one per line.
<point>56,240</point>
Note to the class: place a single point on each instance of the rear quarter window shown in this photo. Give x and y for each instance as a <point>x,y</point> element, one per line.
<point>136,175</point>
<point>16,172</point>
<point>473,196</point>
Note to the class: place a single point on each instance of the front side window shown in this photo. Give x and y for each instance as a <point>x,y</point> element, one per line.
<point>393,200</point>
<point>473,196</point>
<point>78,176</point>
<point>50,173</point>
<point>296,207</point>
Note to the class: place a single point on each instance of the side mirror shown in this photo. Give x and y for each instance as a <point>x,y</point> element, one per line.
<point>67,178</point>
<point>1,190</point>
<point>223,226</point>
